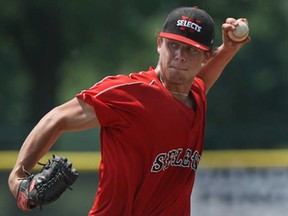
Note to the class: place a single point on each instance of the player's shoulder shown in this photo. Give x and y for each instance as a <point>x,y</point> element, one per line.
<point>199,85</point>
<point>198,81</point>
<point>144,76</point>
<point>125,80</point>
<point>140,76</point>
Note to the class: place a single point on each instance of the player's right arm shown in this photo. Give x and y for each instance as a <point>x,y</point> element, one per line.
<point>212,70</point>
<point>74,115</point>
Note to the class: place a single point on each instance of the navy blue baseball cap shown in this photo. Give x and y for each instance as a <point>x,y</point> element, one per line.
<point>190,25</point>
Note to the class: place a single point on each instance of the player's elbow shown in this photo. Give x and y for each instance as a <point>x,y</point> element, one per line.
<point>54,120</point>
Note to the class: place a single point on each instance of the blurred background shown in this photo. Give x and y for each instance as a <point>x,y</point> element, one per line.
<point>51,50</point>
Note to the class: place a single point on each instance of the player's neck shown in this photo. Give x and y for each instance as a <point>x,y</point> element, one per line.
<point>175,90</point>
<point>183,96</point>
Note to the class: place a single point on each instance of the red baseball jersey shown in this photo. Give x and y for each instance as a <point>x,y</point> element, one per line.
<point>151,145</point>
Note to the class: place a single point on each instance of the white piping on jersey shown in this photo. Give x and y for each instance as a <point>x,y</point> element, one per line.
<point>141,74</point>
<point>116,86</point>
<point>107,77</point>
<point>151,83</point>
<point>112,87</point>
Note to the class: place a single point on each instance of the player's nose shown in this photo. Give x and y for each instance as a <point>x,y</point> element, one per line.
<point>179,55</point>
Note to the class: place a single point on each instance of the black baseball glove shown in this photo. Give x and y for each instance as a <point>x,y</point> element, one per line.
<point>46,186</point>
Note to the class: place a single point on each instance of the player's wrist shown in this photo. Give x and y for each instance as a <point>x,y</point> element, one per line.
<point>227,51</point>
<point>13,183</point>
<point>14,179</point>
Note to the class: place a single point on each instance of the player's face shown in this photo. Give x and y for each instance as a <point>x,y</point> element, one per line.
<point>179,62</point>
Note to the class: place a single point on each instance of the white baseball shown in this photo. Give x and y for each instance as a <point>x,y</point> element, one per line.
<point>240,33</point>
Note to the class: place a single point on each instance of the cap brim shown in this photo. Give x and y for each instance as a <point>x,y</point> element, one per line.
<point>184,40</point>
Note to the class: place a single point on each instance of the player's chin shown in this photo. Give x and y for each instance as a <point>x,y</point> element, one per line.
<point>177,73</point>
<point>180,79</point>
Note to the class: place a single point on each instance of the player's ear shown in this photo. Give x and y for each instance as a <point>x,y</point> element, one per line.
<point>159,43</point>
<point>208,55</point>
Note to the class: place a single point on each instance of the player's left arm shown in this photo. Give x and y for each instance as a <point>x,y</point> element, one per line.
<point>75,115</point>
<point>212,69</point>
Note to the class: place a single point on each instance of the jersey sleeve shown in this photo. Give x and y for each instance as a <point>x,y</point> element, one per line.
<point>113,101</point>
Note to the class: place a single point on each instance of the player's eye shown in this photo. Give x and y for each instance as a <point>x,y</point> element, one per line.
<point>173,45</point>
<point>191,49</point>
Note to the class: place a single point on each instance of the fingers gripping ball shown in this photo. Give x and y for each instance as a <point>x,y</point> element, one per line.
<point>240,33</point>
<point>46,186</point>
